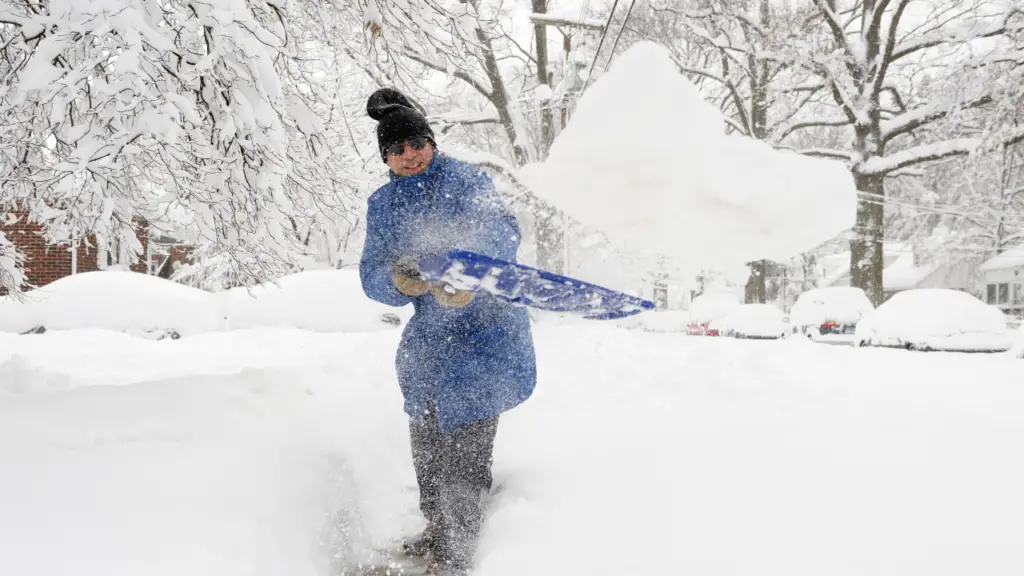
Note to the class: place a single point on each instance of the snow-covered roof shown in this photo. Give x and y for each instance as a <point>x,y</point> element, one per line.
<point>1012,258</point>
<point>902,272</point>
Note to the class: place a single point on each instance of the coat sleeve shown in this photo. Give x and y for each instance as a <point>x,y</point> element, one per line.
<point>375,263</point>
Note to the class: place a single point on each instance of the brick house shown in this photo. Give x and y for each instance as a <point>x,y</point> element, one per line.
<point>46,262</point>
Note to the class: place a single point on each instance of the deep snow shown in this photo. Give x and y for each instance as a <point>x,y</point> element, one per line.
<point>264,452</point>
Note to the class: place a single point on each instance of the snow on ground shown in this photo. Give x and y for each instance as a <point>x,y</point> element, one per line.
<point>1018,347</point>
<point>936,319</point>
<point>707,198</point>
<point>114,300</point>
<point>264,452</point>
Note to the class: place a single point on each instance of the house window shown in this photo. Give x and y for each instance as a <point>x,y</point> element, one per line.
<point>991,293</point>
<point>1018,293</point>
<point>1004,293</point>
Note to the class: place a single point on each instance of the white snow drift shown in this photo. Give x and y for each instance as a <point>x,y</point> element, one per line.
<point>645,158</point>
<point>936,319</point>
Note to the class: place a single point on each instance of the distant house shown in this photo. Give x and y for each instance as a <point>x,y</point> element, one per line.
<point>46,262</point>
<point>903,271</point>
<point>1004,281</point>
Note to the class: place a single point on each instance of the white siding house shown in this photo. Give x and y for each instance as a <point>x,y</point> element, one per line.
<point>904,271</point>
<point>1004,281</point>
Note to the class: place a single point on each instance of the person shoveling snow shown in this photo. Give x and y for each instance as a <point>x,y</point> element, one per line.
<point>462,361</point>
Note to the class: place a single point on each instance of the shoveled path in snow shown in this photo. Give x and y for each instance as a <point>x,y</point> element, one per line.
<point>282,452</point>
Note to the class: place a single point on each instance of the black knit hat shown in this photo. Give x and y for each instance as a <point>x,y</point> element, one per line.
<point>398,120</point>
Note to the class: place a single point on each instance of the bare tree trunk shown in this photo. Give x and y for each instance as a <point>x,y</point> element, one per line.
<point>757,291</point>
<point>549,233</point>
<point>867,264</point>
<point>547,121</point>
<point>499,93</point>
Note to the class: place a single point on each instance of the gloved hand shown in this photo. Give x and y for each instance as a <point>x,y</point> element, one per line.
<point>405,274</point>
<point>448,296</point>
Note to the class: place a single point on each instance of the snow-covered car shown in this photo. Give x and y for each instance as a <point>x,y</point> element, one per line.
<point>761,321</point>
<point>121,301</point>
<point>315,300</point>
<point>833,311</point>
<point>656,321</point>
<point>936,319</point>
<point>706,309</point>
<point>1018,347</point>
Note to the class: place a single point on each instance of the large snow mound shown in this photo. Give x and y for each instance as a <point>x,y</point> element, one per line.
<point>755,321</point>
<point>646,159</point>
<point>936,319</point>
<point>113,300</point>
<point>316,300</point>
<point>840,304</point>
<point>713,306</point>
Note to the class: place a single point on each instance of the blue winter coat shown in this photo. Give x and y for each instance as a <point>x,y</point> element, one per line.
<point>473,362</point>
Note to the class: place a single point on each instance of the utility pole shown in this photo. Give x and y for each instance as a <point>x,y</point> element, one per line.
<point>551,229</point>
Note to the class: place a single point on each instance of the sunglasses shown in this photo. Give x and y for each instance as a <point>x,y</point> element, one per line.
<point>417,143</point>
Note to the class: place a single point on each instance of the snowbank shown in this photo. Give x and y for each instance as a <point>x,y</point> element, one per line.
<point>936,319</point>
<point>755,321</point>
<point>839,304</point>
<point>1018,347</point>
<point>645,158</point>
<point>114,300</point>
<point>317,300</point>
<point>710,307</point>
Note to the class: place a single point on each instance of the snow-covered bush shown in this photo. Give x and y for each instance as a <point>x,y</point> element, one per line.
<point>317,300</point>
<point>936,319</point>
<point>113,300</point>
